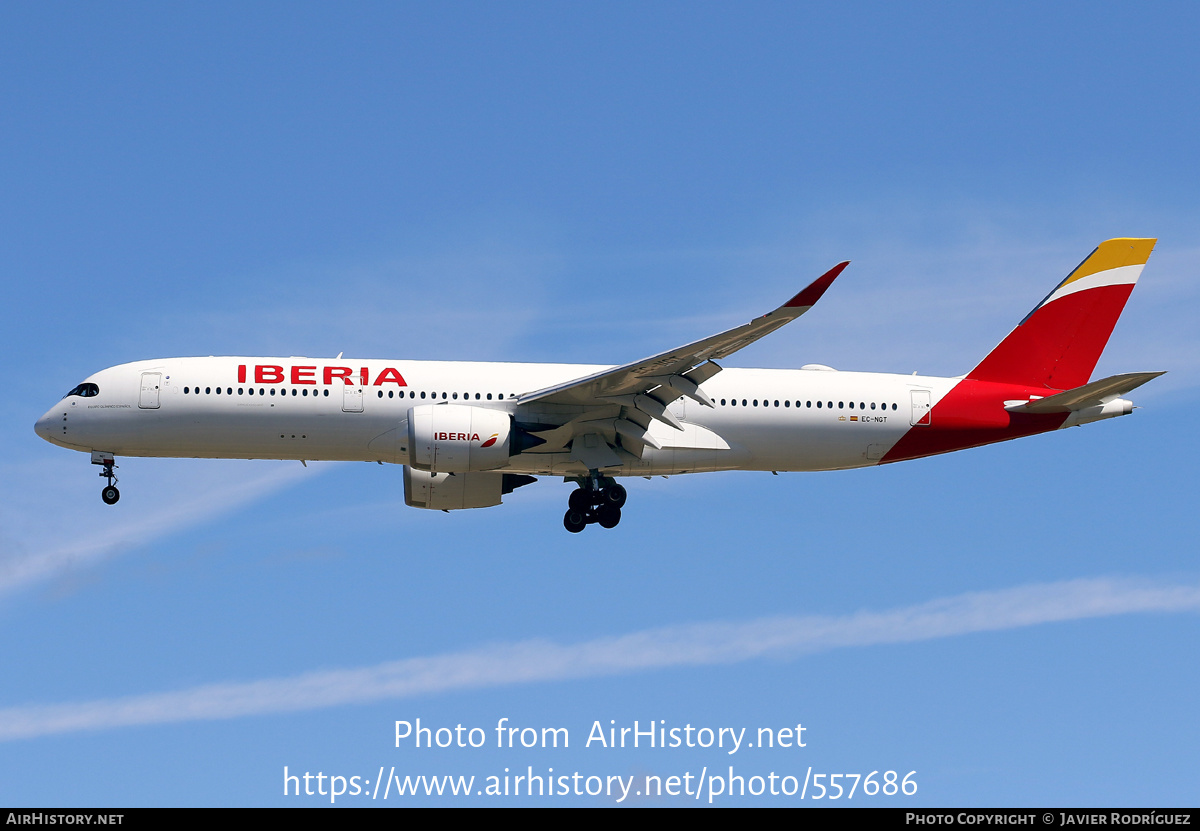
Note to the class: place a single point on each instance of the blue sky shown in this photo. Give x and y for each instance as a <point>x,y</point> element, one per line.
<point>594,183</point>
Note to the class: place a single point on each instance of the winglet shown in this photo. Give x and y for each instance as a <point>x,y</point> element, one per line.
<point>809,296</point>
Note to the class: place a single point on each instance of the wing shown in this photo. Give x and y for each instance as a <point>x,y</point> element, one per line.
<point>603,419</point>
<point>665,377</point>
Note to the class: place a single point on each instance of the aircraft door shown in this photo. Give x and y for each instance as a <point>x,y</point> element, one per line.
<point>148,396</point>
<point>921,408</point>
<point>352,398</point>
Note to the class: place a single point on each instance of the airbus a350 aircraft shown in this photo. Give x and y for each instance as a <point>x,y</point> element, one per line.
<point>468,433</point>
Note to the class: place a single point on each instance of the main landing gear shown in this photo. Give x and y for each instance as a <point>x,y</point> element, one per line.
<point>109,494</point>
<point>597,499</point>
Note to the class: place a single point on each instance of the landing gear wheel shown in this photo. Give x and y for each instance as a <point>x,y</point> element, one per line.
<point>615,495</point>
<point>110,494</point>
<point>598,499</point>
<point>609,515</point>
<point>580,500</point>
<point>575,521</point>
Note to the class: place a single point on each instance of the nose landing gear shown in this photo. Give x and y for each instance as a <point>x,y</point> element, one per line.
<point>597,499</point>
<point>109,494</point>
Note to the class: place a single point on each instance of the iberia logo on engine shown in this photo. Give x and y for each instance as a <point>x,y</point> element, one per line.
<point>456,437</point>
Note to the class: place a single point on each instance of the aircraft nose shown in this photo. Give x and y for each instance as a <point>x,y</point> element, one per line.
<point>45,425</point>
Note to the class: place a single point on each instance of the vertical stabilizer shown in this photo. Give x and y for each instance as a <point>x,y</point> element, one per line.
<point>1058,344</point>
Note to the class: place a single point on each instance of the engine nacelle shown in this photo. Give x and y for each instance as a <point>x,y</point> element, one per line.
<point>454,491</point>
<point>451,491</point>
<point>453,438</point>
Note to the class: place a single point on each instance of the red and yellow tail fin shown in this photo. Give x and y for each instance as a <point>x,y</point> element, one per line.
<point>1058,344</point>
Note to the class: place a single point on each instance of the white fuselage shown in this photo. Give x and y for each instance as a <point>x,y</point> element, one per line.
<point>321,409</point>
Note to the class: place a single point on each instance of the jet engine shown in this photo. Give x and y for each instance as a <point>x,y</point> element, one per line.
<point>453,438</point>
<point>452,491</point>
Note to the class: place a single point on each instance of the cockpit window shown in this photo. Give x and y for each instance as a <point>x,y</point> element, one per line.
<point>84,391</point>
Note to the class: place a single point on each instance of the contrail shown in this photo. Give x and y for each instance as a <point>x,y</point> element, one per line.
<point>532,661</point>
<point>100,542</point>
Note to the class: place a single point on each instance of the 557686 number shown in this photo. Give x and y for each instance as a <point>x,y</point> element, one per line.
<point>889,784</point>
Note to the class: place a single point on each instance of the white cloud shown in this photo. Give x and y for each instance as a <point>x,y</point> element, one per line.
<point>542,660</point>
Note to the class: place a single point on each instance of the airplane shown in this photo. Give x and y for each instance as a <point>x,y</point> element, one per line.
<point>468,433</point>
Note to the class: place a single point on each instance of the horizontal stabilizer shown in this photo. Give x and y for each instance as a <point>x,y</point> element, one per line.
<point>1089,395</point>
